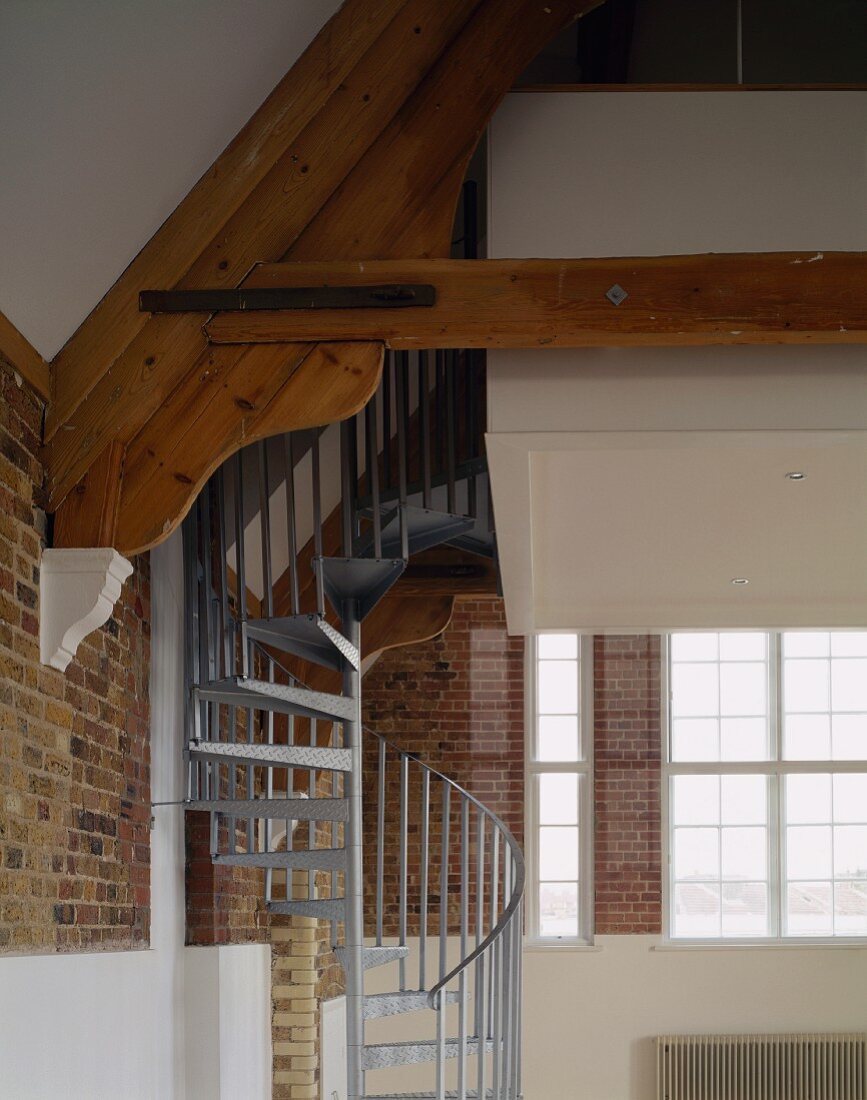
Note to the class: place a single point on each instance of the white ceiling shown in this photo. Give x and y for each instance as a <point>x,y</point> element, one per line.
<point>110,110</point>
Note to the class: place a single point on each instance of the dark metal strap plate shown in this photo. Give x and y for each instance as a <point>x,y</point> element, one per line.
<point>385,296</point>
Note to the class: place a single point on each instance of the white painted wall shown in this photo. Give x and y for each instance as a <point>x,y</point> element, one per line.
<point>110,110</point>
<point>601,175</point>
<point>122,1025</point>
<point>589,1016</point>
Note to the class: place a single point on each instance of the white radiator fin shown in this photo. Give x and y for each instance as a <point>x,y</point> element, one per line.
<point>761,1067</point>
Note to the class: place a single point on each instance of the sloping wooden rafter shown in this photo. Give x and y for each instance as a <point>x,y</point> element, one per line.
<point>360,152</point>
<point>23,357</point>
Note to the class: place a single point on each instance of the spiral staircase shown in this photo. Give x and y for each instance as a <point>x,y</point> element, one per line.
<point>312,531</point>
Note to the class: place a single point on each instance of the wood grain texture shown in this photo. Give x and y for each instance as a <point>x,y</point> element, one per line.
<point>232,403</point>
<point>199,219</point>
<point>737,298</point>
<point>316,158</point>
<point>690,88</point>
<point>372,165</point>
<point>88,515</point>
<point>23,357</point>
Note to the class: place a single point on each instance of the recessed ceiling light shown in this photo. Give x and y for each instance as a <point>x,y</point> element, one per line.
<point>796,475</point>
<point>740,580</point>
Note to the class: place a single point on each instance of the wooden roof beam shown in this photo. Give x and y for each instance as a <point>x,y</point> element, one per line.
<point>736,298</point>
<point>22,356</point>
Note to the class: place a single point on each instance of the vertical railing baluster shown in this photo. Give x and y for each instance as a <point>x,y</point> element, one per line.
<point>291,523</point>
<point>347,490</point>
<point>423,886</point>
<point>311,828</point>
<point>440,402</point>
<point>506,1052</point>
<point>480,925</point>
<point>444,879</point>
<point>495,883</point>
<point>240,562</point>
<point>268,611</point>
<point>441,1045</point>
<point>402,416</point>
<point>424,427</point>
<point>403,860</point>
<point>451,445</point>
<point>204,586</point>
<point>380,843</point>
<point>316,486</point>
<point>371,440</point>
<point>193,677</point>
<point>465,928</point>
<point>472,443</point>
<point>386,422</point>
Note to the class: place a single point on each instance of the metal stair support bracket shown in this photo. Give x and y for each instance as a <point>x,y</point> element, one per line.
<point>307,636</point>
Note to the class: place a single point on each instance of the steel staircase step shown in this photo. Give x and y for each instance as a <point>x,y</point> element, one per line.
<point>325,908</point>
<point>374,956</point>
<point>425,528</point>
<point>363,579</point>
<point>308,859</point>
<point>415,1051</point>
<point>282,698</point>
<point>280,809</point>
<point>377,1005</point>
<point>469,1094</point>
<point>307,636</point>
<point>281,756</point>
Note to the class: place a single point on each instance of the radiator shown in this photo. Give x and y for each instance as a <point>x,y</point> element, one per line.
<point>761,1067</point>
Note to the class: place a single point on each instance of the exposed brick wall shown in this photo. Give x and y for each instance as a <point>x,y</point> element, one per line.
<point>74,747</point>
<point>628,759</point>
<point>457,701</point>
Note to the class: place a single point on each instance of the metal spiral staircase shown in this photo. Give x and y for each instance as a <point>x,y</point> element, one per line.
<point>293,782</point>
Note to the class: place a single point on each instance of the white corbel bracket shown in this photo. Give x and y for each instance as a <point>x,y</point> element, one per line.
<point>77,593</point>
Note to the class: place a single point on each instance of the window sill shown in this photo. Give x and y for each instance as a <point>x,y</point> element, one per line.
<point>545,947</point>
<point>766,945</point>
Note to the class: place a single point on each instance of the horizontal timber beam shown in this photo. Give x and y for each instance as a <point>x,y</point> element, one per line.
<point>734,298</point>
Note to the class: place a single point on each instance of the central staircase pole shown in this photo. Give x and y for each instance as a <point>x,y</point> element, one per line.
<point>354,887</point>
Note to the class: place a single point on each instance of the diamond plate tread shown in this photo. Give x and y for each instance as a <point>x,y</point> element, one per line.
<point>470,1094</point>
<point>313,859</point>
<point>415,1051</point>
<point>326,908</point>
<point>306,636</point>
<point>281,809</point>
<point>375,956</point>
<point>282,756</point>
<point>425,528</point>
<point>263,695</point>
<point>377,1005</point>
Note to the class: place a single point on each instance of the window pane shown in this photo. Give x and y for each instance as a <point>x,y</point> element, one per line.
<point>850,908</point>
<point>849,643</point>
<point>850,851</point>
<point>696,853</point>
<point>558,908</point>
<point>808,851</point>
<point>849,684</point>
<point>850,799</point>
<point>696,910</point>
<point>694,647</point>
<point>808,737</point>
<point>558,645</point>
<point>808,799</point>
<point>806,643</point>
<point>743,647</point>
<point>694,690</point>
<point>744,800</point>
<point>849,736</point>
<point>745,909</point>
<point>696,800</point>
<point>809,909</point>
<point>744,853</point>
<point>695,739</point>
<point>744,739</point>
<point>558,738</point>
<point>743,688</point>
<point>807,686</point>
<point>558,799</point>
<point>558,853</point>
<point>558,687</point>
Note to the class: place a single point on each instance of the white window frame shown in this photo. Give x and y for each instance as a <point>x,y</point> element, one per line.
<point>583,769</point>
<point>776,768</point>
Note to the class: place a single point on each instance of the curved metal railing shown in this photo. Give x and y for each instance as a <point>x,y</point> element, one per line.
<point>460,883</point>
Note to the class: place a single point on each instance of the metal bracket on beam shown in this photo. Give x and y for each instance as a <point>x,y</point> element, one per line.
<point>385,296</point>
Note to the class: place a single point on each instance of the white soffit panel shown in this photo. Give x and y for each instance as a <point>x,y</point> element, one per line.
<point>645,531</point>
